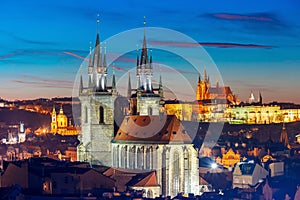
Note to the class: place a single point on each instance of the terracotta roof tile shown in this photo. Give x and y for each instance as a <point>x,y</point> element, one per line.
<point>160,129</point>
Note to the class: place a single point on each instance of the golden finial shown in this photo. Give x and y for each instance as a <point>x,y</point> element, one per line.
<point>98,18</point>
<point>145,21</point>
<point>98,22</point>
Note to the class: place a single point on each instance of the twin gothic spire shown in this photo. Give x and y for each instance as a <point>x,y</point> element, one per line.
<point>97,69</point>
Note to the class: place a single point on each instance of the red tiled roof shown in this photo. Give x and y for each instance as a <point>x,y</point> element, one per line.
<point>149,181</point>
<point>160,129</point>
<point>132,178</point>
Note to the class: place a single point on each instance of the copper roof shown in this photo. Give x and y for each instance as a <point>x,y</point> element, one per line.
<point>148,129</point>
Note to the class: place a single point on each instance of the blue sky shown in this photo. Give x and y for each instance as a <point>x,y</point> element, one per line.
<point>255,44</point>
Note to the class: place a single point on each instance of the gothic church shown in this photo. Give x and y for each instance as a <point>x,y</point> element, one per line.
<point>147,139</point>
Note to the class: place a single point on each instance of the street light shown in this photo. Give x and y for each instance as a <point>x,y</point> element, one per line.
<point>214,166</point>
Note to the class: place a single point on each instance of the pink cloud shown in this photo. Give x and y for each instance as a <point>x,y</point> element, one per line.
<point>243,17</point>
<point>209,44</point>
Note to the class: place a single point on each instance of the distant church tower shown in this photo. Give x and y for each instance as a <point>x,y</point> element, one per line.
<point>97,110</point>
<point>53,121</point>
<point>21,133</point>
<point>202,91</point>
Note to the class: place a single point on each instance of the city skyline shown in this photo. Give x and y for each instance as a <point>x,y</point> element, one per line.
<point>253,44</point>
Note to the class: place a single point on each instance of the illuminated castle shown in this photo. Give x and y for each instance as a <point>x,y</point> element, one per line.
<point>205,91</point>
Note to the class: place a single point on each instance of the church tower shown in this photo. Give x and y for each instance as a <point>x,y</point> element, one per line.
<point>97,110</point>
<point>54,121</point>
<point>21,133</point>
<point>145,102</point>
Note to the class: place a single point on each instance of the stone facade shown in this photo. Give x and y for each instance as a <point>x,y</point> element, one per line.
<point>148,105</point>
<point>176,164</point>
<point>97,128</point>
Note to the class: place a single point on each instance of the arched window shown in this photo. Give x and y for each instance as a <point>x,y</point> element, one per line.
<point>149,110</point>
<point>149,194</point>
<point>139,158</point>
<point>85,114</point>
<point>187,171</point>
<point>101,115</point>
<point>148,158</point>
<point>176,173</point>
<point>123,152</point>
<point>115,156</point>
<point>132,158</point>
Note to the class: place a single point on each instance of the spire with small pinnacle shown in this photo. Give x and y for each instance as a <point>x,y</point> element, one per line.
<point>104,58</point>
<point>53,110</point>
<point>217,81</point>
<point>160,88</point>
<point>61,111</point>
<point>260,98</point>
<point>113,84</point>
<point>129,87</point>
<point>80,85</point>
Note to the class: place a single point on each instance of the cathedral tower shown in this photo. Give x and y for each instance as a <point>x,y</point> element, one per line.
<point>97,110</point>
<point>202,91</point>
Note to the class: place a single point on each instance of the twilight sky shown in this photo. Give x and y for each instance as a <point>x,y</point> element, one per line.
<point>255,44</point>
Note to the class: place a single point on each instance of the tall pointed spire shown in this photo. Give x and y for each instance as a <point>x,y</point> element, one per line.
<point>198,89</point>
<point>113,84</point>
<point>129,87</point>
<point>97,56</point>
<point>144,55</point>
<point>160,88</point>
<point>217,81</point>
<point>104,68</point>
<point>260,98</point>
